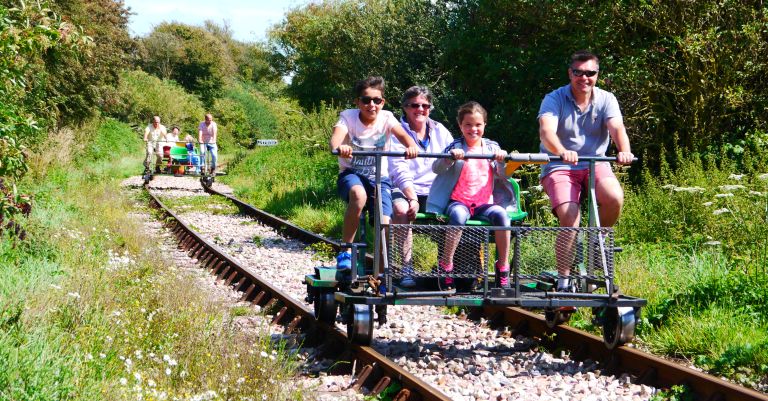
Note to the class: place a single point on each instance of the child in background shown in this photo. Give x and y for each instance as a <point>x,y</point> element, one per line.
<point>473,188</point>
<point>194,159</point>
<point>366,128</point>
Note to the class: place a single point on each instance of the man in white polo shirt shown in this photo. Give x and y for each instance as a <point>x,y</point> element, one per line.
<point>580,119</point>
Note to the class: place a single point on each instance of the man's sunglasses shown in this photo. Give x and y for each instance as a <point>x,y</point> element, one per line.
<point>581,73</point>
<point>425,106</point>
<point>368,99</point>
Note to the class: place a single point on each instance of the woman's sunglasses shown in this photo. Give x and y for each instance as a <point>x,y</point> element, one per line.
<point>368,99</point>
<point>425,106</point>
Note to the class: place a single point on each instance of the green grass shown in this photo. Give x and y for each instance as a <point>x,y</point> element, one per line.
<point>90,310</point>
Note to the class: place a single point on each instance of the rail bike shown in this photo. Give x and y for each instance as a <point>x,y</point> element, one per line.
<point>181,159</point>
<point>351,296</point>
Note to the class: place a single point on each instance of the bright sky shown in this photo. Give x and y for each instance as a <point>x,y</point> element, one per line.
<point>248,19</point>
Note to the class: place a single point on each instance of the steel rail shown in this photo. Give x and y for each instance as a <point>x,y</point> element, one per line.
<point>644,368</point>
<point>377,371</point>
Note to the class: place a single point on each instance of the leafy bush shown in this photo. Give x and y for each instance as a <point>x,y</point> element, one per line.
<point>142,96</point>
<point>244,116</point>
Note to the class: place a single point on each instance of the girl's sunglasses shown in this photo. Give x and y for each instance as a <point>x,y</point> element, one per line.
<point>368,99</point>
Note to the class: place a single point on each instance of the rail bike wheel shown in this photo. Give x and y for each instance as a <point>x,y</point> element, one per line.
<point>206,181</point>
<point>618,325</point>
<point>554,317</point>
<point>325,307</point>
<point>360,324</point>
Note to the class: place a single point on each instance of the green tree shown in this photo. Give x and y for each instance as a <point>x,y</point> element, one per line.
<point>326,47</point>
<point>195,58</point>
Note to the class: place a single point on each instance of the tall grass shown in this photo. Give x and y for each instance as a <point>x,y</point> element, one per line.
<point>93,309</point>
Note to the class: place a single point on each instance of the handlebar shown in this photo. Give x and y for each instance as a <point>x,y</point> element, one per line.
<point>535,158</point>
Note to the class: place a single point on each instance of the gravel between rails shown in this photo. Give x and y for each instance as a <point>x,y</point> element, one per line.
<point>465,359</point>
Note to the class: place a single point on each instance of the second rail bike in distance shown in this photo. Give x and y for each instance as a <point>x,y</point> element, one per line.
<point>179,158</point>
<point>353,294</point>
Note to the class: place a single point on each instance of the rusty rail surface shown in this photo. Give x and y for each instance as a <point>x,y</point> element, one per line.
<point>644,368</point>
<point>376,371</point>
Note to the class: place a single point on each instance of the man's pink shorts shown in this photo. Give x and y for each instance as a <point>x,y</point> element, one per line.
<point>566,185</point>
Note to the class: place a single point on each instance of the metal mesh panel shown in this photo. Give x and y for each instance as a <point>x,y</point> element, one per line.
<point>586,252</point>
<point>414,250</point>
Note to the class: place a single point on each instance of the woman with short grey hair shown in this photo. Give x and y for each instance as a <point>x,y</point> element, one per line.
<point>412,178</point>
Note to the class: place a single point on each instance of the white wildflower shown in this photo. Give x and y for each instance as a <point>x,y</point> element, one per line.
<point>263,354</point>
<point>690,190</point>
<point>183,374</point>
<point>137,376</point>
<point>73,295</point>
<point>720,211</point>
<point>736,177</point>
<point>712,243</point>
<point>708,204</point>
<point>88,356</point>
<point>668,186</point>
<point>729,188</point>
<point>728,195</point>
<point>756,193</point>
<point>241,380</point>
<point>167,371</point>
<point>55,287</point>
<point>151,383</point>
<point>102,355</point>
<point>763,177</point>
<point>128,363</point>
<point>123,381</point>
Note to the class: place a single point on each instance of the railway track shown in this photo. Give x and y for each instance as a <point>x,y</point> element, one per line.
<point>378,371</point>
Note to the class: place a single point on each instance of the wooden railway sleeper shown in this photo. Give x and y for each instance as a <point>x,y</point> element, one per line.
<point>239,286</point>
<point>223,273</point>
<point>402,395</point>
<point>292,325</point>
<point>381,385</point>
<point>192,250</point>
<point>361,377</point>
<point>279,315</point>
<point>270,304</point>
<point>218,266</point>
<point>247,294</point>
<point>231,277</point>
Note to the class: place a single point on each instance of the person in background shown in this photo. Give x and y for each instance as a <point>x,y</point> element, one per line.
<point>173,136</point>
<point>580,119</point>
<point>366,128</point>
<point>413,178</point>
<point>207,134</point>
<point>154,135</point>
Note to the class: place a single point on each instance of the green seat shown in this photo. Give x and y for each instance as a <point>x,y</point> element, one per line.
<point>519,215</point>
<point>179,154</point>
